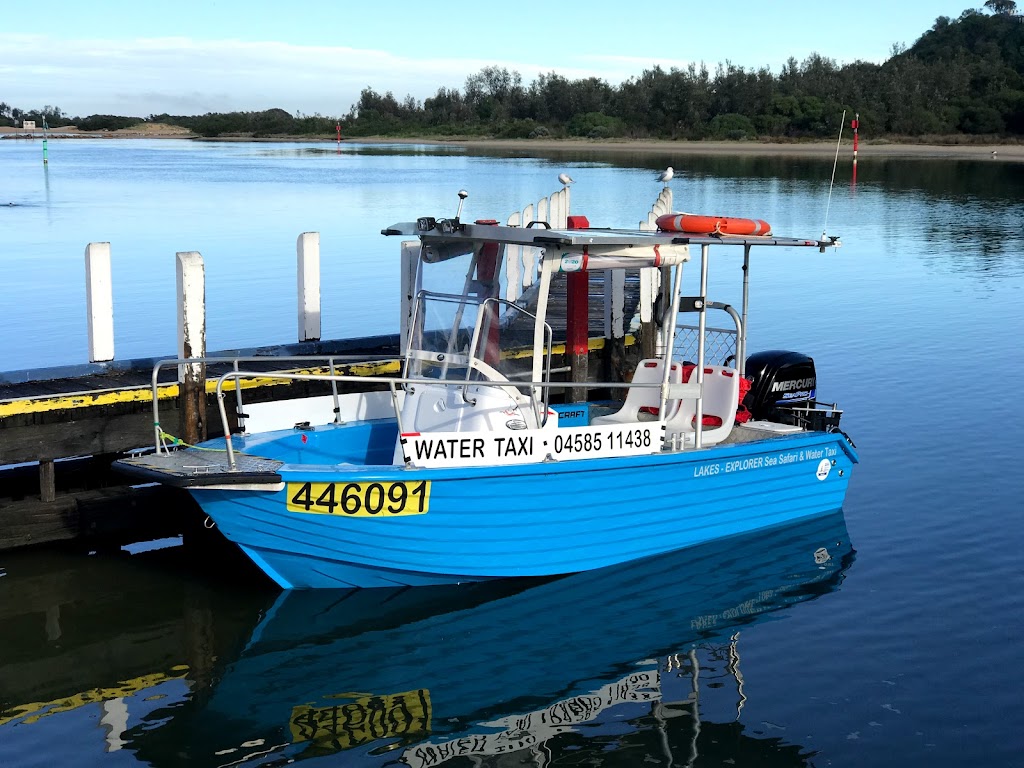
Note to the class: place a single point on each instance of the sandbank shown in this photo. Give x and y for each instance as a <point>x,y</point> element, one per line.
<point>815,149</point>
<point>948,149</point>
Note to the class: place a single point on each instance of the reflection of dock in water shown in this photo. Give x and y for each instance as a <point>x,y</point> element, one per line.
<point>32,712</point>
<point>119,633</point>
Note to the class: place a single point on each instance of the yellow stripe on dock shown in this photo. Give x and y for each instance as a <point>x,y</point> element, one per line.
<point>559,349</point>
<point>144,393</point>
<point>85,400</point>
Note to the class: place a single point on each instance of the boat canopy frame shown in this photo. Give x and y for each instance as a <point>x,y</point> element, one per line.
<point>582,250</point>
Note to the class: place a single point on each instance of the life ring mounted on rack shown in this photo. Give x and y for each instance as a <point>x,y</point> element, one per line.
<point>712,225</point>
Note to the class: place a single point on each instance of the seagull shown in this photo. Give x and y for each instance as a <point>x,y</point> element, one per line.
<point>666,175</point>
<point>565,178</point>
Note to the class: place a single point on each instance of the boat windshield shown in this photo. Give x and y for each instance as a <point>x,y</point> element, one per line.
<point>474,334</point>
<point>466,338</point>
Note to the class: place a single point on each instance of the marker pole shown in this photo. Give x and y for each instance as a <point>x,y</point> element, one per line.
<point>855,124</point>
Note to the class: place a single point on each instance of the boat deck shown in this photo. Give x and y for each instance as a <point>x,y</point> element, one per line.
<point>759,430</point>
<point>197,467</point>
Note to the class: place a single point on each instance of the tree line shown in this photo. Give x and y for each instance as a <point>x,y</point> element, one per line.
<point>962,76</point>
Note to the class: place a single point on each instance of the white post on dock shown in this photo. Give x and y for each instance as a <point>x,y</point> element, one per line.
<point>99,302</point>
<point>307,249</point>
<point>558,208</point>
<point>191,280</point>
<point>514,278</point>
<point>614,303</point>
<point>651,280</point>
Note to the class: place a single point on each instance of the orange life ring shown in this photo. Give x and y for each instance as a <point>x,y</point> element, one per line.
<point>712,225</point>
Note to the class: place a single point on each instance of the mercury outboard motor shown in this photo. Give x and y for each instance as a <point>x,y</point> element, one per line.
<point>784,389</point>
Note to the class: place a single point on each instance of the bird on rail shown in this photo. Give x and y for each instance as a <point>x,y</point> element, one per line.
<point>565,178</point>
<point>666,175</point>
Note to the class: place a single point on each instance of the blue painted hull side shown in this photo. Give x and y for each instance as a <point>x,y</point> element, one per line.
<point>535,520</point>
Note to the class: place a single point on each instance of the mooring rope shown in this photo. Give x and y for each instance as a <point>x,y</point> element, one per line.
<point>167,439</point>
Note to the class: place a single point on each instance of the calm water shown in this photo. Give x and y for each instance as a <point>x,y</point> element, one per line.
<point>899,644</point>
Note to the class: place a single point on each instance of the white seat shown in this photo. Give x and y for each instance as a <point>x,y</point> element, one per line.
<point>721,399</point>
<point>648,397</point>
<point>471,408</point>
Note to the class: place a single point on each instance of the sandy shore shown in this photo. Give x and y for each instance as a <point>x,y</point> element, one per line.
<point>70,132</point>
<point>822,149</point>
<point>867,149</point>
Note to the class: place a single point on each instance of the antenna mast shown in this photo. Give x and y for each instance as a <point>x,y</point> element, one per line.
<point>832,183</point>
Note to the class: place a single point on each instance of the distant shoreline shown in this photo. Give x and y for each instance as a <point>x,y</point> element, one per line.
<point>810,149</point>
<point>816,149</point>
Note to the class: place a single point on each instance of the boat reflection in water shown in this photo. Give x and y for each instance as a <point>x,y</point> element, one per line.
<point>610,659</point>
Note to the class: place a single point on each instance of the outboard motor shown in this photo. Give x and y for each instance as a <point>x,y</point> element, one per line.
<point>784,390</point>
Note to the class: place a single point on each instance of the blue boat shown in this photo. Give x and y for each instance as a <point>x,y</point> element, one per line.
<point>418,677</point>
<point>494,453</point>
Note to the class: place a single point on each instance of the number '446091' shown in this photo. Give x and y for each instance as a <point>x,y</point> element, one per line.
<point>360,499</point>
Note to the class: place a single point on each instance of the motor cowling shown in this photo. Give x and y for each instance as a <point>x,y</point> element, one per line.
<point>780,381</point>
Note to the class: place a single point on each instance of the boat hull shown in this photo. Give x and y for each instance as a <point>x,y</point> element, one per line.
<point>482,523</point>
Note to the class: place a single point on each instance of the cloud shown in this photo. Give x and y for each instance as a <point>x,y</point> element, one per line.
<point>156,75</point>
<point>184,76</point>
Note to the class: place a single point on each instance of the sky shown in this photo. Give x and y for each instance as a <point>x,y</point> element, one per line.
<point>314,56</point>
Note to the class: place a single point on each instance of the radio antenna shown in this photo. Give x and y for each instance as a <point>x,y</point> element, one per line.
<point>842,122</point>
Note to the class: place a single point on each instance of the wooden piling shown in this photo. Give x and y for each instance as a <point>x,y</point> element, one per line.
<point>577,322</point>
<point>47,481</point>
<point>615,324</point>
<point>307,249</point>
<point>99,302</point>
<point>488,262</point>
<point>191,282</point>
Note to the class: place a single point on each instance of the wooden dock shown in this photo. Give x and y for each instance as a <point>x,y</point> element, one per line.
<point>58,437</point>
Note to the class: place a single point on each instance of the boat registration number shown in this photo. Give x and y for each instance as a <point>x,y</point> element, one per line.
<point>360,499</point>
<point>362,720</point>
